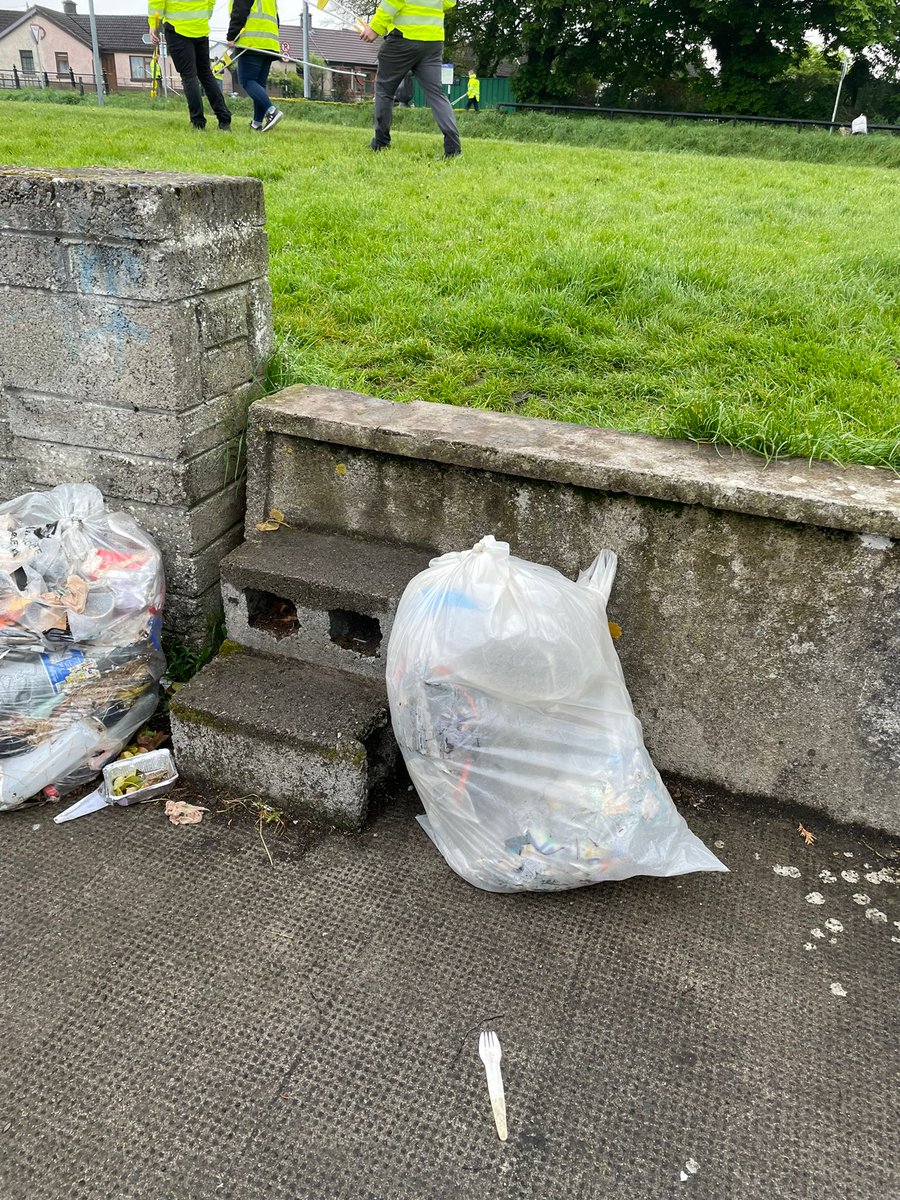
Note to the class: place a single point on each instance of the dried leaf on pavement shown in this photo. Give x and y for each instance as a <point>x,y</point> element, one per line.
<point>808,837</point>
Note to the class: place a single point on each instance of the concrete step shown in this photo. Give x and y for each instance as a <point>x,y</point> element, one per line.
<point>318,597</point>
<point>311,740</point>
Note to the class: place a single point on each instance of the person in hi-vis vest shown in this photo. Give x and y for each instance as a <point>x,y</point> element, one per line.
<point>413,41</point>
<point>253,30</point>
<point>186,26</point>
<point>473,92</point>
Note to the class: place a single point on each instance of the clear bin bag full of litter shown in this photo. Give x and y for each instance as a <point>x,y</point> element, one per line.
<point>81,597</point>
<point>510,707</point>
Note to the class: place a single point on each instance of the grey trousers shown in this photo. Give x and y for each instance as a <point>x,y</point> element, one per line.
<point>397,56</point>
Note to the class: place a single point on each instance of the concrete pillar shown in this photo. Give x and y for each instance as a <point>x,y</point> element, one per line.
<point>135,322</point>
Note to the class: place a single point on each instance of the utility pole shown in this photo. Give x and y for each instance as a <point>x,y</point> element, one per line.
<point>305,50</point>
<point>98,74</point>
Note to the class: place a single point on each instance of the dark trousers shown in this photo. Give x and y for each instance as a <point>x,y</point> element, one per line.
<point>191,59</point>
<point>253,73</point>
<point>399,55</point>
<point>471,102</point>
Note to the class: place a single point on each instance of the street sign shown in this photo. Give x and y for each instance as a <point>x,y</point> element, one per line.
<point>447,74</point>
<point>37,32</point>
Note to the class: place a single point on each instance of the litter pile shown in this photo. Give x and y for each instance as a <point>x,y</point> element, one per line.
<point>81,597</point>
<point>510,706</point>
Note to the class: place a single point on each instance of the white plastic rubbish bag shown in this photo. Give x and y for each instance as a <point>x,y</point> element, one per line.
<point>510,707</point>
<point>81,596</point>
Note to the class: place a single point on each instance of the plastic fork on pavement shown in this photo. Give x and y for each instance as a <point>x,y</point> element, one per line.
<point>489,1049</point>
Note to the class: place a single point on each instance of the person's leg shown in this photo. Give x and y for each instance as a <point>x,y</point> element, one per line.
<point>428,73</point>
<point>395,58</point>
<point>475,103</point>
<point>251,68</point>
<point>208,82</point>
<point>273,114</point>
<point>181,51</point>
<point>263,78</point>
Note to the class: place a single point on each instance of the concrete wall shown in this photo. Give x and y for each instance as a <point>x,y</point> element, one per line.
<point>135,319</point>
<point>759,604</point>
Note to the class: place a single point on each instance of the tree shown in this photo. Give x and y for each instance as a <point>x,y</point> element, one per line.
<point>757,41</point>
<point>566,49</point>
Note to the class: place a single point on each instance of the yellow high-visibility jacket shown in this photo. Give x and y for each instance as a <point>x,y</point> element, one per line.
<point>422,21</point>
<point>190,18</point>
<point>260,31</point>
<point>474,92</point>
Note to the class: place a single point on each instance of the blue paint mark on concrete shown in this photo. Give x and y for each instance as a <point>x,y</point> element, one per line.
<point>119,331</point>
<point>105,268</point>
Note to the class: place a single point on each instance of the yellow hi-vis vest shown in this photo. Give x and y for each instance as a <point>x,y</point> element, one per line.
<point>474,92</point>
<point>260,30</point>
<point>190,18</point>
<point>422,21</point>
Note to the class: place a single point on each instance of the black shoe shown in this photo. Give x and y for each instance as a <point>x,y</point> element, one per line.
<point>224,128</point>
<point>271,119</point>
<point>375,148</point>
<point>453,154</point>
<point>195,125</point>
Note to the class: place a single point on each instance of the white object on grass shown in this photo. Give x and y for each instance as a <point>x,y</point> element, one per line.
<point>489,1049</point>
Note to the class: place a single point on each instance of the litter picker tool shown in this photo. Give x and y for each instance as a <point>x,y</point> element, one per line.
<point>157,74</point>
<point>227,59</point>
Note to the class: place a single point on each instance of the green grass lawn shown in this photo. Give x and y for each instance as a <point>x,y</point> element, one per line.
<point>653,288</point>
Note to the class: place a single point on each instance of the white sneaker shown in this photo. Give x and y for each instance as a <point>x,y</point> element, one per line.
<point>272,117</point>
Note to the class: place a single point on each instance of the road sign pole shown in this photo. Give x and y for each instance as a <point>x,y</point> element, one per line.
<point>164,62</point>
<point>305,50</point>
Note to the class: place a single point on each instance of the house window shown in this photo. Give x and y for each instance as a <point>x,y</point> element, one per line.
<point>62,63</point>
<point>140,67</point>
<point>27,58</point>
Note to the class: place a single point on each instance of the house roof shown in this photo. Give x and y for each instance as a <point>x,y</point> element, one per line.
<point>113,33</point>
<point>336,46</point>
<point>116,33</point>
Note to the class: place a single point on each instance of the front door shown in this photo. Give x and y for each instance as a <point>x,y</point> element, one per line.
<point>108,66</point>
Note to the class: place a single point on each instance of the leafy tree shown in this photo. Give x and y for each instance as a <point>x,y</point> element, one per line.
<point>567,49</point>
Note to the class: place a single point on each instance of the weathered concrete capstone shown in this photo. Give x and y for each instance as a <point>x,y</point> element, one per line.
<point>135,321</point>
<point>761,630</point>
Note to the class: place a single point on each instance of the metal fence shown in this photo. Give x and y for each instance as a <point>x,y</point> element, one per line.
<point>671,117</point>
<point>67,81</point>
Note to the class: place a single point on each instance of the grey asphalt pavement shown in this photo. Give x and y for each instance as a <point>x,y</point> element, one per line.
<point>184,1021</point>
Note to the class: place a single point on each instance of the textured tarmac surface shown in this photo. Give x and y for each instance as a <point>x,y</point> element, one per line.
<point>181,1020</point>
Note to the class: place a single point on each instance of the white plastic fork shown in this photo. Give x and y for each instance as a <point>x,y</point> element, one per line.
<point>489,1049</point>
